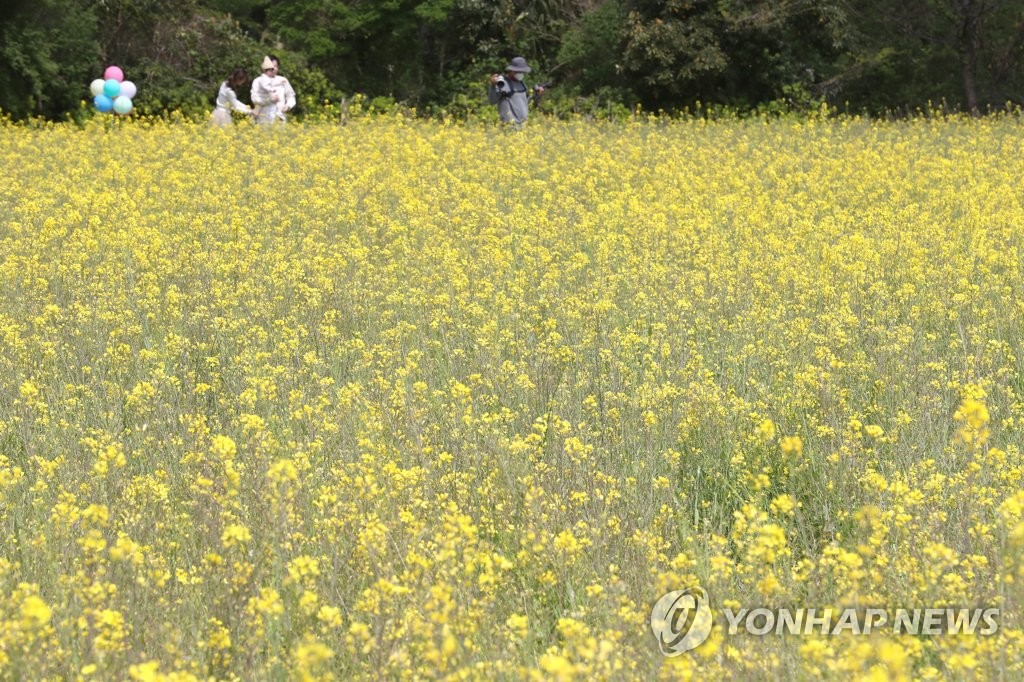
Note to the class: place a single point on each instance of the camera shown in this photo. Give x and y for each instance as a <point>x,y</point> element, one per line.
<point>503,87</point>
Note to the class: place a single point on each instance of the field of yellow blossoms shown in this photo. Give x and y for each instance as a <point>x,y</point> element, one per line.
<point>402,399</point>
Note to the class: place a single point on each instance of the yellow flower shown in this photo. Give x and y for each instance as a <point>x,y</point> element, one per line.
<point>145,672</point>
<point>267,603</point>
<point>220,637</point>
<point>235,534</point>
<point>224,448</point>
<point>283,471</point>
<point>792,445</point>
<point>303,566</point>
<point>416,414</point>
<point>112,630</point>
<point>518,625</point>
<point>765,430</point>
<point>329,616</point>
<point>310,655</point>
<point>557,666</point>
<point>34,612</point>
<point>784,505</point>
<point>874,431</point>
<point>973,416</point>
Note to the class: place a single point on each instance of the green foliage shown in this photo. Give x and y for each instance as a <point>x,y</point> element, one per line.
<point>736,52</point>
<point>433,56</point>
<point>591,50</point>
<point>671,46</point>
<point>50,55</point>
<point>183,68</point>
<point>902,56</point>
<point>398,48</point>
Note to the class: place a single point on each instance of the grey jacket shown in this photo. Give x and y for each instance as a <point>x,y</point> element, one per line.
<point>513,107</point>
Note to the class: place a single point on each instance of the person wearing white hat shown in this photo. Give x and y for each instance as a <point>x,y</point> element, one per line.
<point>272,95</point>
<point>510,93</point>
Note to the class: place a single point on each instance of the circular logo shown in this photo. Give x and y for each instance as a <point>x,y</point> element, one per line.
<point>681,620</point>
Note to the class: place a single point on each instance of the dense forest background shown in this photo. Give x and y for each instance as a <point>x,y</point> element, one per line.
<point>873,56</point>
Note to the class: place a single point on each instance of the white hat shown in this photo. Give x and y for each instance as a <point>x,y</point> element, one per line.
<point>268,63</point>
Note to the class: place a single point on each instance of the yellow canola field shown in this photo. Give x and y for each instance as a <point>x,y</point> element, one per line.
<point>407,400</point>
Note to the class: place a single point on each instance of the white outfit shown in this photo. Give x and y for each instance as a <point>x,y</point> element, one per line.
<point>273,96</point>
<point>227,101</point>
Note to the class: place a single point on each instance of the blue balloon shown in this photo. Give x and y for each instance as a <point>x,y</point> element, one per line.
<point>102,103</point>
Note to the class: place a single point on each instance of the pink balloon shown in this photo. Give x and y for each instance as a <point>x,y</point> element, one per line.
<point>114,72</point>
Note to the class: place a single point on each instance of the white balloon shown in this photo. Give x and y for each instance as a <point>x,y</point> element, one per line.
<point>122,105</point>
<point>128,89</point>
<point>96,87</point>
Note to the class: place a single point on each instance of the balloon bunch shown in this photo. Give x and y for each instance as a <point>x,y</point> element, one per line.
<point>112,92</point>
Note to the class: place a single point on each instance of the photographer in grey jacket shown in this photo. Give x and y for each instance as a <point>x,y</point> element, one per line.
<point>510,93</point>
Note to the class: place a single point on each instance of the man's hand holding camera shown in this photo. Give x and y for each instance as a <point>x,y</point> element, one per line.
<point>500,84</point>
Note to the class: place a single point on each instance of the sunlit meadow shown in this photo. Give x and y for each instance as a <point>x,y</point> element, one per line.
<point>400,399</point>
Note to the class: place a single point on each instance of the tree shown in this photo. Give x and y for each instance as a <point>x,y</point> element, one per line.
<point>395,47</point>
<point>967,52</point>
<point>50,50</point>
<point>738,52</point>
<point>592,50</point>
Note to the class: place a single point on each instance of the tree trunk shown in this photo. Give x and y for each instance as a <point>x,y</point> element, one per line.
<point>969,48</point>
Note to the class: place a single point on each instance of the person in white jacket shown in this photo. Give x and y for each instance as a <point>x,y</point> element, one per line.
<point>227,100</point>
<point>272,94</point>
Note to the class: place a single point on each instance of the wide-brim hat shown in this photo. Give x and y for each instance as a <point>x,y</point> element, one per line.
<point>518,65</point>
